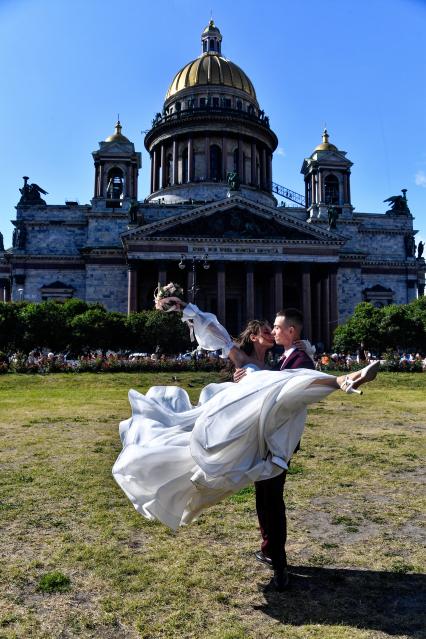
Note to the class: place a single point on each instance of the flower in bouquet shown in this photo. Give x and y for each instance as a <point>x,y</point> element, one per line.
<point>167,297</point>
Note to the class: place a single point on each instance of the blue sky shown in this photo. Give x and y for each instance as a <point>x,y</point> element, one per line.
<point>69,66</point>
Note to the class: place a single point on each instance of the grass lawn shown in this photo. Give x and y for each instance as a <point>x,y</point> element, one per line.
<point>78,561</point>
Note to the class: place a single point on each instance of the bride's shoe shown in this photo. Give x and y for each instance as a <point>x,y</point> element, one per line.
<point>367,374</point>
<point>347,386</point>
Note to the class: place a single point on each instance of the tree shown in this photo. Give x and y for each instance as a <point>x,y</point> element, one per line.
<point>397,326</point>
<point>361,327</point>
<point>44,326</point>
<point>11,329</point>
<point>167,331</point>
<point>90,330</point>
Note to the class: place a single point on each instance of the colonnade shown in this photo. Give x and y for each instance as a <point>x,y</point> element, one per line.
<point>260,157</point>
<point>317,287</point>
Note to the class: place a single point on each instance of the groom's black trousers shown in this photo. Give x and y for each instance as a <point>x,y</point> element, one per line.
<point>272,519</point>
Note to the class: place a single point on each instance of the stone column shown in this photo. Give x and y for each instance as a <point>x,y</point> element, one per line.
<point>101,191</point>
<point>207,168</point>
<point>132,289</point>
<point>154,170</point>
<point>249,291</point>
<point>263,184</point>
<point>318,312</point>
<point>95,190</point>
<point>313,189</point>
<point>224,159</point>
<point>253,164</point>
<point>325,293</point>
<point>175,162</point>
<point>334,313</point>
<point>306,301</point>
<point>345,188</point>
<point>320,187</point>
<point>163,167</point>
<point>306,193</point>
<point>190,160</point>
<point>162,274</point>
<point>190,284</point>
<point>240,160</point>
<point>221,292</point>
<point>278,286</point>
<point>151,155</point>
<point>269,172</point>
<point>349,187</point>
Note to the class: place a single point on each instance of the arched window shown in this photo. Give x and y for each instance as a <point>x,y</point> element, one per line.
<point>212,45</point>
<point>115,184</point>
<point>184,166</point>
<point>331,190</point>
<point>239,105</point>
<point>215,163</point>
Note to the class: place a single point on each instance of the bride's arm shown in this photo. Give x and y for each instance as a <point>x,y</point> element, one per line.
<point>209,333</point>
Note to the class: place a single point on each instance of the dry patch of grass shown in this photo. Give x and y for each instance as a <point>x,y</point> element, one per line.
<point>354,505</point>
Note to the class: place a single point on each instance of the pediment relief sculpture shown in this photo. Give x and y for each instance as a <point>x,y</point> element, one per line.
<point>234,223</point>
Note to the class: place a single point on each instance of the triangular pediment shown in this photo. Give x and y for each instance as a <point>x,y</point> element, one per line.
<point>236,219</point>
<point>236,223</point>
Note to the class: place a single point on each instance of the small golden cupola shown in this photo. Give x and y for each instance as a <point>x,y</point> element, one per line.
<point>117,136</point>
<point>325,144</point>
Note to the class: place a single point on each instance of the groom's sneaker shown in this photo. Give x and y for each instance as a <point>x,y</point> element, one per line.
<point>263,558</point>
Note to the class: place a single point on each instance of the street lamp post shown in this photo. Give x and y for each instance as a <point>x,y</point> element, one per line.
<point>21,294</point>
<point>194,262</point>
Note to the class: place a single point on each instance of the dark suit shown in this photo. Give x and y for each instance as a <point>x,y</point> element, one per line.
<point>270,504</point>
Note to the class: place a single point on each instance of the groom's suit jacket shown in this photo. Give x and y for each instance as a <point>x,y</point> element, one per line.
<point>296,359</point>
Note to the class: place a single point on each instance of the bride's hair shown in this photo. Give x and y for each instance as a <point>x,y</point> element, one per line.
<point>253,328</point>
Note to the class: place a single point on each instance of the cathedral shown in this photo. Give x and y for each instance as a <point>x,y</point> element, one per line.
<point>241,245</point>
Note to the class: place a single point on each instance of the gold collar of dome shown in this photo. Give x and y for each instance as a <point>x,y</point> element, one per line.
<point>325,144</point>
<point>211,68</point>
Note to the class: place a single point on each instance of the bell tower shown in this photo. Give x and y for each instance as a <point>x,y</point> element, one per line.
<point>327,181</point>
<point>117,166</point>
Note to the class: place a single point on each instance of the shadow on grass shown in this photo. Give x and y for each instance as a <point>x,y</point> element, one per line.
<point>384,601</point>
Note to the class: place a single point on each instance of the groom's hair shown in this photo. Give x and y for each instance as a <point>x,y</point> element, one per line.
<point>293,317</point>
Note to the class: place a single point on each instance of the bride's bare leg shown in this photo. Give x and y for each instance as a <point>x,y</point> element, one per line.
<point>352,380</point>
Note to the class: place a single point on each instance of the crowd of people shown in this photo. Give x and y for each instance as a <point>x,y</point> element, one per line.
<point>47,361</point>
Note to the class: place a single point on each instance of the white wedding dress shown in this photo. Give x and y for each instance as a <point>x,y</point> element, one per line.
<point>178,459</point>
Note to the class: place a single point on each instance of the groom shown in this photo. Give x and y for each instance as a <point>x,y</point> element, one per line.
<point>270,504</point>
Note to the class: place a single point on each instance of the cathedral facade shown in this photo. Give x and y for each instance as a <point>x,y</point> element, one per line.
<point>212,221</point>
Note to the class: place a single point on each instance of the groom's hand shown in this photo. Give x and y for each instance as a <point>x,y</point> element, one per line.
<point>239,374</point>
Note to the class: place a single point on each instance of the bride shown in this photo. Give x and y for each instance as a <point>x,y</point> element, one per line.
<point>179,459</point>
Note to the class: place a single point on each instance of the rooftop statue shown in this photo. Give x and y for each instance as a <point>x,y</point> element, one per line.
<point>19,237</point>
<point>410,245</point>
<point>399,204</point>
<point>420,247</point>
<point>233,181</point>
<point>333,214</point>
<point>30,193</point>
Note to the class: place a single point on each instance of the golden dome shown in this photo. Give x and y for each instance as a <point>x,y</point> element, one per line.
<point>208,70</point>
<point>325,145</point>
<point>117,136</point>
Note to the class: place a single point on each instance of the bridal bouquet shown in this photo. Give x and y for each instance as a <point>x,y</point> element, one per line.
<point>167,297</point>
